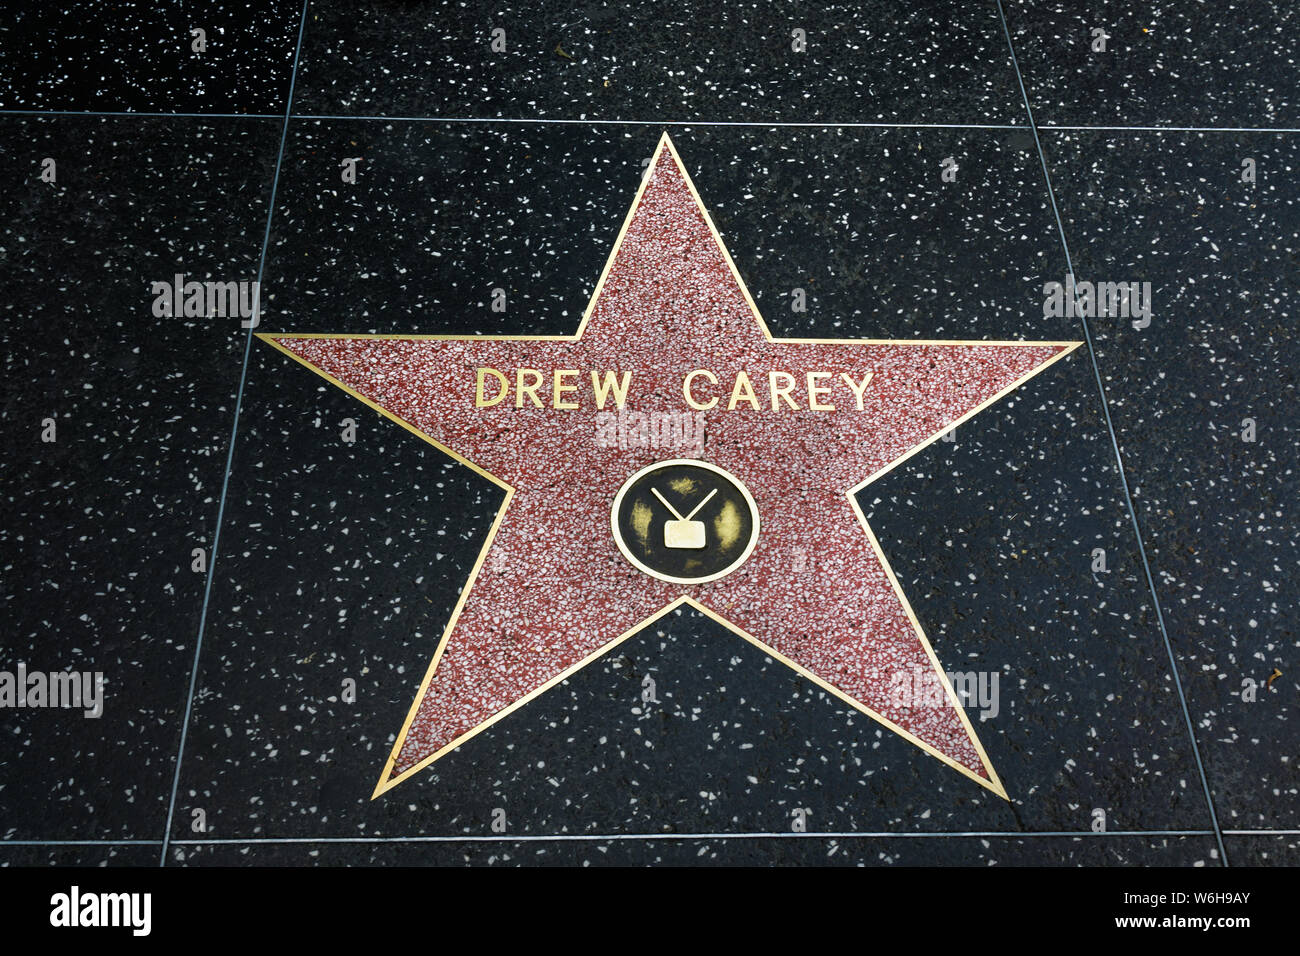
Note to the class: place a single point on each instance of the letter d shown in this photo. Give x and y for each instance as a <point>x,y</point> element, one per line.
<point>480,401</point>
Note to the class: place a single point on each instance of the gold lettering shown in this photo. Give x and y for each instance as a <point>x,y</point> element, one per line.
<point>690,399</point>
<point>858,389</point>
<point>480,400</point>
<point>783,391</point>
<point>602,389</point>
<point>560,387</point>
<point>531,390</point>
<point>815,392</point>
<point>742,383</point>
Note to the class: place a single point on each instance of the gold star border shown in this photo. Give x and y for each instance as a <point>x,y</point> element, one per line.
<point>386,783</point>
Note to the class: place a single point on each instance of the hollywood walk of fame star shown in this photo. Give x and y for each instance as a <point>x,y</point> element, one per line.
<point>795,426</point>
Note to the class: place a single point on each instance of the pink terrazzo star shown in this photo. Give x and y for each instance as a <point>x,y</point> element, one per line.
<point>551,590</point>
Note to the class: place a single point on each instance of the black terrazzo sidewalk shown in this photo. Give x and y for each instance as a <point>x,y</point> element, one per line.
<point>1141,691</point>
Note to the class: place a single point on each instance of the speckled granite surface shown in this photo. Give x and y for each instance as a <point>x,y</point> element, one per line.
<point>340,562</point>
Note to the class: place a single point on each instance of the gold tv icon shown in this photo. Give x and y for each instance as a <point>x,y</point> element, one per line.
<point>683,532</point>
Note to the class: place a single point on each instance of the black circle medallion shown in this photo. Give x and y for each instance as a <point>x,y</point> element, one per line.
<point>685,521</point>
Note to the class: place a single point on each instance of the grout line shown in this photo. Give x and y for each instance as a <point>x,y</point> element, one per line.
<point>597,837</point>
<point>1174,129</point>
<point>230,454</point>
<point>4,843</point>
<point>116,113</point>
<point>617,837</point>
<point>519,121</point>
<point>1119,458</point>
<point>542,121</point>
